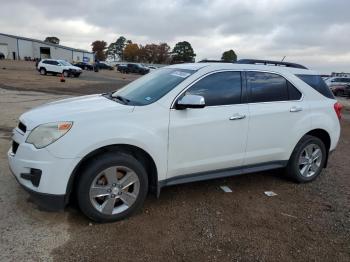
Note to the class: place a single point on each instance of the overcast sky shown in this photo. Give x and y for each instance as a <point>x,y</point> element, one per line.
<point>312,32</point>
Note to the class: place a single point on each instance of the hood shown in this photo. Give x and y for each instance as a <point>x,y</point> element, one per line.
<point>73,109</point>
<point>74,67</point>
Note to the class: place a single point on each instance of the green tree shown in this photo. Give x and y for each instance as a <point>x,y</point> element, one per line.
<point>119,46</point>
<point>183,52</point>
<point>52,40</point>
<point>229,56</point>
<point>99,47</point>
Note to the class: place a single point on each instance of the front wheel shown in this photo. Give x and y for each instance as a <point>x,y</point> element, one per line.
<point>42,71</point>
<point>65,73</point>
<point>307,160</point>
<point>112,187</point>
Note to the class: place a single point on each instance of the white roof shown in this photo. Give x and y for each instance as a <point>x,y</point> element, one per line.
<point>223,66</point>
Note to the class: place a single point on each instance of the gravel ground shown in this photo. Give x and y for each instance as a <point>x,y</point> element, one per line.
<point>192,222</point>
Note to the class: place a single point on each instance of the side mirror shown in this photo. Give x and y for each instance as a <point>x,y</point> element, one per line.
<point>190,101</point>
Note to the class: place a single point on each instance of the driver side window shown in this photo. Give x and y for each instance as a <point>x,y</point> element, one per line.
<point>222,88</point>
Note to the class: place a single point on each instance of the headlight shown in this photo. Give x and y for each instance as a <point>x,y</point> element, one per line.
<point>45,134</point>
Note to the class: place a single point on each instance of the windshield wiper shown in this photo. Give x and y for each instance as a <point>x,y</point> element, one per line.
<point>124,100</point>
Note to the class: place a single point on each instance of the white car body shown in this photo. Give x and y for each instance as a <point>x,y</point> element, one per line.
<point>58,66</point>
<point>180,142</point>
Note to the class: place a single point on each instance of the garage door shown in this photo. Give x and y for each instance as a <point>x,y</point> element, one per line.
<point>4,49</point>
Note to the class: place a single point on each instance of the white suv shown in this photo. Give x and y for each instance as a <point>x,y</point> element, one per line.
<point>58,67</point>
<point>179,124</point>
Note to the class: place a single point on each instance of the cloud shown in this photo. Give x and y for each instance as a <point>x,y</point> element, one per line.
<point>313,32</point>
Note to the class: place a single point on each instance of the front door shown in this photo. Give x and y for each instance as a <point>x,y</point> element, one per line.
<point>214,137</point>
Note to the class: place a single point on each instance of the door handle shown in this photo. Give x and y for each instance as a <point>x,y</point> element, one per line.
<point>296,109</point>
<point>237,117</point>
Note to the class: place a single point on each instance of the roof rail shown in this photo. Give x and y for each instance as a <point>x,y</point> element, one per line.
<point>214,61</point>
<point>268,62</point>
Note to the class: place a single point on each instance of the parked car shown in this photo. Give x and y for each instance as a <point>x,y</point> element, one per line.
<point>336,81</point>
<point>102,65</point>
<point>180,124</point>
<point>133,68</point>
<point>58,67</point>
<point>340,90</point>
<point>138,69</point>
<point>122,68</point>
<point>84,66</point>
<point>347,91</point>
<point>2,56</point>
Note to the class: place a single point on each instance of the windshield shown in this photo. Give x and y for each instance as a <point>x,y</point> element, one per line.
<point>153,86</point>
<point>64,63</point>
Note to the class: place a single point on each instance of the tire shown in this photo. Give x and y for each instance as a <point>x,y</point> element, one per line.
<point>66,74</point>
<point>111,187</point>
<point>42,71</point>
<point>302,169</point>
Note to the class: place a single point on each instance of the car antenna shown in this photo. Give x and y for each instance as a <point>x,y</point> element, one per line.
<point>283,58</point>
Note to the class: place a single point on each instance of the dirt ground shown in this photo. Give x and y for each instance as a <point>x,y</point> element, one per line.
<point>192,222</point>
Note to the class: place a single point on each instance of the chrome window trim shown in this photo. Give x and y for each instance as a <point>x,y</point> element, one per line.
<point>172,107</point>
<point>276,73</point>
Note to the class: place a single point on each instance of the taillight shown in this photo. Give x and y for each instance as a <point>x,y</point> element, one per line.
<point>337,108</point>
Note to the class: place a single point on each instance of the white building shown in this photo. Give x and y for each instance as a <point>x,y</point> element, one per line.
<point>17,48</point>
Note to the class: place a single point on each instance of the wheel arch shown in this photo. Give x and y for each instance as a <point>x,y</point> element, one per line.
<point>140,154</point>
<point>324,136</point>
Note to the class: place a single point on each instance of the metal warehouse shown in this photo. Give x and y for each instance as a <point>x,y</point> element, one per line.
<point>20,48</point>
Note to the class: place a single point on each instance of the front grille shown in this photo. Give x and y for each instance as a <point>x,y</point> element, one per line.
<point>14,147</point>
<point>22,127</point>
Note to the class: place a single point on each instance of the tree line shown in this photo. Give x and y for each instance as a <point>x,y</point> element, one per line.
<point>126,50</point>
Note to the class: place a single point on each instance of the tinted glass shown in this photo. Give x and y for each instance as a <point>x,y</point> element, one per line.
<point>46,62</point>
<point>152,87</point>
<point>222,88</point>
<point>293,92</point>
<point>317,83</point>
<point>267,87</point>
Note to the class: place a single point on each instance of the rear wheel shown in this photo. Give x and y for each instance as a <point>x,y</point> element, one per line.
<point>307,160</point>
<point>112,187</point>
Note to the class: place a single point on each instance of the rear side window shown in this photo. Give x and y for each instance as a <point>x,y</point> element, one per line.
<point>223,88</point>
<point>317,83</point>
<point>266,87</point>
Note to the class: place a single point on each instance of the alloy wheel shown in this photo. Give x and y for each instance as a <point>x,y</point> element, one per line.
<point>310,160</point>
<point>114,190</point>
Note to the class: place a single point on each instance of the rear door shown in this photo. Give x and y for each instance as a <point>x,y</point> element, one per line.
<point>56,67</point>
<point>278,116</point>
<point>213,137</point>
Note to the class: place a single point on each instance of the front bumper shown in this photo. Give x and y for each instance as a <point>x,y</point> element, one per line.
<point>39,172</point>
<point>48,202</point>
